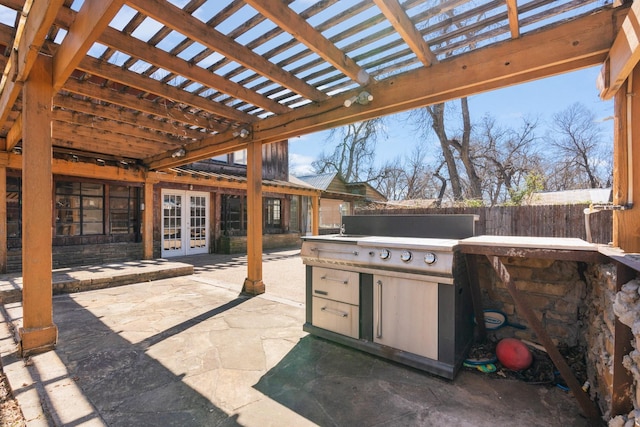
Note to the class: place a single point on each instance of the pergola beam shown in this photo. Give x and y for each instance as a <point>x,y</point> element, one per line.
<point>285,18</point>
<point>180,21</point>
<point>35,22</point>
<point>397,16</point>
<point>623,56</point>
<point>138,49</point>
<point>111,72</point>
<point>512,13</point>
<point>576,44</point>
<point>90,22</point>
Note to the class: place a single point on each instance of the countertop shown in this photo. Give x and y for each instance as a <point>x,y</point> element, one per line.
<point>562,243</point>
<point>559,248</point>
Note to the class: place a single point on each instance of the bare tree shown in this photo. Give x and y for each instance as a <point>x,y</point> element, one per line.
<point>390,180</point>
<point>406,178</point>
<point>354,155</point>
<point>457,150</point>
<point>508,156</point>
<point>576,139</point>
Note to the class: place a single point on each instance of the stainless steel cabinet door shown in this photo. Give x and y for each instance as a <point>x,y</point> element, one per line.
<point>405,315</point>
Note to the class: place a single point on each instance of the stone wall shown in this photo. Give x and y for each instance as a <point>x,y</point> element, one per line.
<point>578,304</point>
<point>77,255</point>
<point>555,290</point>
<point>238,244</point>
<point>606,304</point>
<point>599,333</point>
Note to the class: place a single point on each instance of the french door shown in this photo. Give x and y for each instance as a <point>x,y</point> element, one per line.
<point>185,223</point>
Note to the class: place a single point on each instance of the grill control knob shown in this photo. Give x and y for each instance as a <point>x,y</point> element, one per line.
<point>430,258</point>
<point>405,256</point>
<point>385,254</point>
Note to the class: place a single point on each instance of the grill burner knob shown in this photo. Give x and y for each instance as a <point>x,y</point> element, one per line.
<point>430,258</point>
<point>385,254</point>
<point>405,256</point>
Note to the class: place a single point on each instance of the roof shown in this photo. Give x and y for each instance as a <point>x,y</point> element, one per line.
<point>166,83</point>
<point>321,181</point>
<point>297,181</point>
<point>269,184</point>
<point>588,195</point>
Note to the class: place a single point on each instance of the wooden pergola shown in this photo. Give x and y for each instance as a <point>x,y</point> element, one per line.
<point>154,85</point>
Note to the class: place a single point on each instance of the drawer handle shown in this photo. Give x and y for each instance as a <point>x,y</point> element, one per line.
<point>333,279</point>
<point>319,292</point>
<point>334,311</point>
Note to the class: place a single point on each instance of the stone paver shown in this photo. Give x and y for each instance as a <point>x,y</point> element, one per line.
<point>192,351</point>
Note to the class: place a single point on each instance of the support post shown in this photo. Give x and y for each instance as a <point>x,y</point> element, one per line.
<point>147,220</point>
<point>253,283</point>
<point>3,219</point>
<point>315,215</point>
<point>38,333</point>
<point>626,173</point>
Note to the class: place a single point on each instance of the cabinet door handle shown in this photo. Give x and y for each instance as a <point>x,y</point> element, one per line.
<point>379,308</point>
<point>334,311</point>
<point>334,279</point>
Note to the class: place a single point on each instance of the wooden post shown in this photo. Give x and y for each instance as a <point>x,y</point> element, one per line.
<point>626,223</point>
<point>38,333</point>
<point>253,283</point>
<point>3,219</point>
<point>147,220</point>
<point>315,215</point>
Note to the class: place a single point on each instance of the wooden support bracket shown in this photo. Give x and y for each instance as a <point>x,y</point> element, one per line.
<point>589,408</point>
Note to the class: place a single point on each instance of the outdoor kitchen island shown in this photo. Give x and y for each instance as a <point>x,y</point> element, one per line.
<point>403,298</point>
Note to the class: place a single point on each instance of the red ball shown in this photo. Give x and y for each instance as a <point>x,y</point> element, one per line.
<point>514,354</point>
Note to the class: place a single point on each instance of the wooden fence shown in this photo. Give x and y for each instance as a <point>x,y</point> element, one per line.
<point>541,221</point>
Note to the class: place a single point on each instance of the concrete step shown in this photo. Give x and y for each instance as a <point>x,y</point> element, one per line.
<point>78,279</point>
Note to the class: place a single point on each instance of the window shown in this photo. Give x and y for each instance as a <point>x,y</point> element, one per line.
<point>272,214</point>
<point>233,221</point>
<point>294,214</point>
<point>221,158</point>
<point>79,208</point>
<point>240,157</point>
<point>14,207</point>
<point>123,209</point>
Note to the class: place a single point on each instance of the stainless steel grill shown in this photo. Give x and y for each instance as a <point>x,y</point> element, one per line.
<point>403,294</point>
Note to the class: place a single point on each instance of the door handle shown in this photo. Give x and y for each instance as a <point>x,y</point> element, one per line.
<point>379,309</point>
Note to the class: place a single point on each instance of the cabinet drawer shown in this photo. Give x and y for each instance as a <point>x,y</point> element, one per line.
<point>336,317</point>
<point>338,285</point>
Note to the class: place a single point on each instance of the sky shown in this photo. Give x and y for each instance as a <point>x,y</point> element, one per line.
<point>540,98</point>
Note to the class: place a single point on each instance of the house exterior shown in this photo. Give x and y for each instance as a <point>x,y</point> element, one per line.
<point>198,208</point>
<point>340,198</point>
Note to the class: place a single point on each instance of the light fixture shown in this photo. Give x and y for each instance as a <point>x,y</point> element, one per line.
<point>363,98</point>
<point>179,153</point>
<point>242,133</point>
